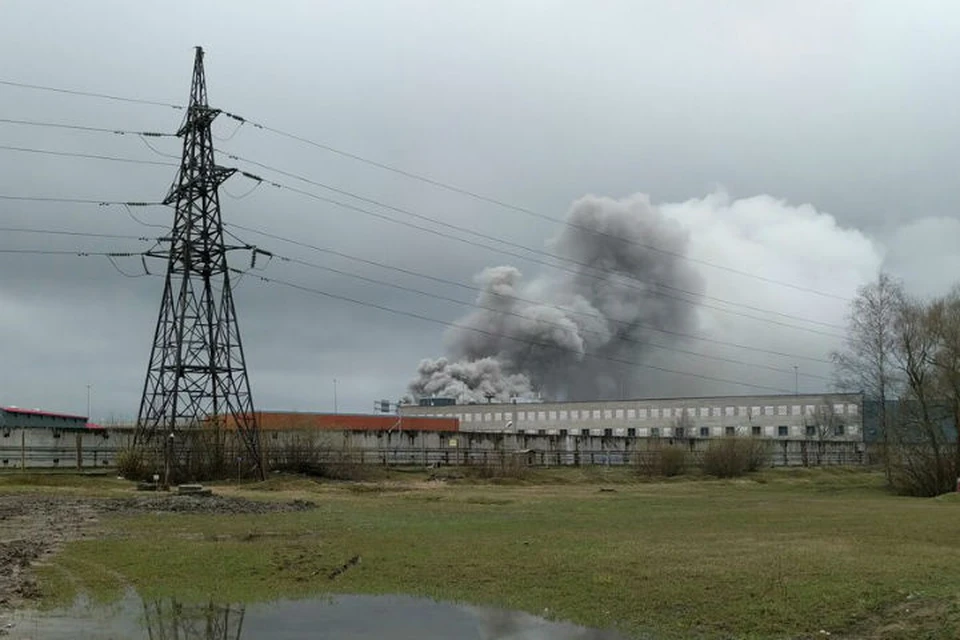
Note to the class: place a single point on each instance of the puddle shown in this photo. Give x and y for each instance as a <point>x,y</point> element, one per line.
<point>341,617</point>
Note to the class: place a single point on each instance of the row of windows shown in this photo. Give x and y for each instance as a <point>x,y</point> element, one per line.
<point>783,431</point>
<point>657,413</point>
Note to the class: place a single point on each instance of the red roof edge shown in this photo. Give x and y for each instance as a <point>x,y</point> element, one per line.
<point>38,412</point>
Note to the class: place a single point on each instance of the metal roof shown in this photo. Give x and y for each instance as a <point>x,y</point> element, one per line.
<point>38,412</point>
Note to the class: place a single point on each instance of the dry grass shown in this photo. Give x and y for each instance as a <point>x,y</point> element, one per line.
<point>781,554</point>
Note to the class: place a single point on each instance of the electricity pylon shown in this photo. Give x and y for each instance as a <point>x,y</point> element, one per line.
<point>197,376</point>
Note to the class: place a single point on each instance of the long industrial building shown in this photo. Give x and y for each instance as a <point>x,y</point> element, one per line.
<point>830,416</point>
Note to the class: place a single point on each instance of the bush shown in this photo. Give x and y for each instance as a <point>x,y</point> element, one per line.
<point>506,466</point>
<point>921,470</point>
<point>666,461</point>
<point>131,464</point>
<point>733,457</point>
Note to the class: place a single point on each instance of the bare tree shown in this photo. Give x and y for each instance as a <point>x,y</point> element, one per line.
<point>866,363</point>
<point>822,422</point>
<point>684,424</point>
<point>945,325</point>
<point>927,355</point>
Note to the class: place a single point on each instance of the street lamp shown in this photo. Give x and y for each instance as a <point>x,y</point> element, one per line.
<point>88,402</point>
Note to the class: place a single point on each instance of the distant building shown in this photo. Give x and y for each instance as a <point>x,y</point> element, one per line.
<point>830,416</point>
<point>274,421</point>
<point>32,437</point>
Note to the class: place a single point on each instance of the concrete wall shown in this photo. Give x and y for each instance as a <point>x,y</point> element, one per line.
<point>60,448</point>
<point>87,449</point>
<point>709,417</point>
<point>425,448</point>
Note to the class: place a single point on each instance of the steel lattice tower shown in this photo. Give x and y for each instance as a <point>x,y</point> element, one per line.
<point>197,375</point>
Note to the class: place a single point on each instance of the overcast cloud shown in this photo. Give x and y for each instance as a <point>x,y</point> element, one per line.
<point>810,143</point>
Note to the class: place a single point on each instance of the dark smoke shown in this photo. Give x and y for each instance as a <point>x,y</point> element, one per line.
<point>540,336</point>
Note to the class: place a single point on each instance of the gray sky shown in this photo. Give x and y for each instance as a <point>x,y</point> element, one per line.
<point>810,143</point>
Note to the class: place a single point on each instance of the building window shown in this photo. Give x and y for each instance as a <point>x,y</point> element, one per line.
<point>631,432</point>
<point>642,413</point>
<point>755,411</point>
<point>552,416</point>
<point>811,430</point>
<point>596,414</point>
<point>851,409</point>
<point>563,415</point>
<point>468,417</point>
<point>666,412</point>
<point>795,410</point>
<point>715,412</point>
<point>655,432</point>
<point>810,409</point>
<point>563,433</point>
<point>541,432</point>
<point>755,431</point>
<point>704,432</point>
<point>608,432</point>
<point>654,413</point>
<point>782,410</point>
<point>607,414</point>
<point>742,412</point>
<point>729,431</point>
<point>783,431</point>
<point>575,414</point>
<point>728,411</point>
<point>541,415</point>
<point>838,409</point>
<point>704,412</point>
<point>619,414</point>
<point>678,432</point>
<point>839,430</point>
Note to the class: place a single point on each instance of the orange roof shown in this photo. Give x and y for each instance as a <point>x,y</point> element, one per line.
<point>284,421</point>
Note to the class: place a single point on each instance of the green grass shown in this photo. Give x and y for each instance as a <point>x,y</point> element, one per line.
<point>782,554</point>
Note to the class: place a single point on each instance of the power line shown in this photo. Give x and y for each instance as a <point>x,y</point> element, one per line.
<point>90,156</point>
<point>519,209</point>
<point>437,232</point>
<point>90,94</point>
<point>78,234</point>
<point>533,319</point>
<point>410,272</point>
<point>102,203</point>
<point>69,252</point>
<point>430,181</point>
<point>462,285</point>
<point>77,127</point>
<point>533,343</point>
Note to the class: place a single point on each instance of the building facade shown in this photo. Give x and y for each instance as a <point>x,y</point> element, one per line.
<point>830,416</point>
<point>35,438</point>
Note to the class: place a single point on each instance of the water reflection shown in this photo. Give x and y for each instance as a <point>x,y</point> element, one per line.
<point>173,620</point>
<point>353,617</point>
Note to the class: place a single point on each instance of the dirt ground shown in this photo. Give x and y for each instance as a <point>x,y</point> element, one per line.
<point>33,526</point>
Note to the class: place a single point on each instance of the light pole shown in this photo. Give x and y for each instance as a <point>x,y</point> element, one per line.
<point>88,402</point>
<point>796,380</point>
<point>335,411</point>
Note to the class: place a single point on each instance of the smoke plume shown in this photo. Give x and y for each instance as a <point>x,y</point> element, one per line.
<point>576,332</point>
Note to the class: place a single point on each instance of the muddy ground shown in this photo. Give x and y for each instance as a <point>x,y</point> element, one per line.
<point>33,526</point>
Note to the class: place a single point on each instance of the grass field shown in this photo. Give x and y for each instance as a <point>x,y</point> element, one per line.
<point>783,554</point>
